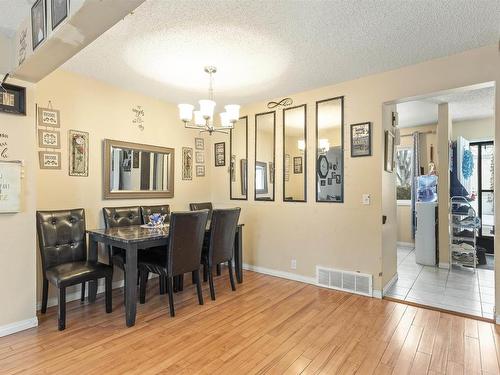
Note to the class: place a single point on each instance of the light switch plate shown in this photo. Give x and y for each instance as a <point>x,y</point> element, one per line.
<point>366,199</point>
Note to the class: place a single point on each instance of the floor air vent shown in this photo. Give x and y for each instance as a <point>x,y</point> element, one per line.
<point>353,282</point>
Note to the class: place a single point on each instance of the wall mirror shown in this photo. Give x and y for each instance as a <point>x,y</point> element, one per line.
<point>133,170</point>
<point>238,168</point>
<point>330,150</point>
<point>294,154</point>
<point>265,133</point>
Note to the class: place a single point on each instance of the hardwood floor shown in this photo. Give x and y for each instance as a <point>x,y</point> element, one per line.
<point>268,326</point>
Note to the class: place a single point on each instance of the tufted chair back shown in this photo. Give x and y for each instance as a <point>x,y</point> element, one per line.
<point>187,231</point>
<point>202,206</point>
<point>149,210</point>
<point>223,230</point>
<point>122,216</point>
<point>61,236</point>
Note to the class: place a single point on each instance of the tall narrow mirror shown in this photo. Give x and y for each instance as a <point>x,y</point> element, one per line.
<point>265,133</point>
<point>238,146</point>
<point>294,154</point>
<point>330,150</point>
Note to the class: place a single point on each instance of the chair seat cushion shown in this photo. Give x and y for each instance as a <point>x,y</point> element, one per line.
<point>153,254</point>
<point>76,272</point>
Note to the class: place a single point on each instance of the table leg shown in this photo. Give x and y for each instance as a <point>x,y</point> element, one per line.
<point>238,254</point>
<point>131,285</point>
<point>92,257</point>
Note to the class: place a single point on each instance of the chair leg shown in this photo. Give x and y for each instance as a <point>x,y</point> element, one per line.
<point>143,274</point>
<point>170,290</point>
<point>82,298</point>
<point>124,288</point>
<point>180,283</point>
<point>218,269</point>
<point>211,283</point>
<point>193,277</point>
<point>109,294</point>
<point>205,273</point>
<point>196,276</point>
<point>61,315</point>
<point>163,283</point>
<point>45,295</point>
<point>231,276</point>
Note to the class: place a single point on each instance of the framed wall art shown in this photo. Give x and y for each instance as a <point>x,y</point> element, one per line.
<point>13,99</point>
<point>78,153</point>
<point>49,159</point>
<point>48,117</point>
<point>38,23</point>
<point>200,171</point>
<point>49,139</point>
<point>199,143</point>
<point>10,186</point>
<point>297,164</point>
<point>220,154</point>
<point>187,163</point>
<point>59,10</point>
<point>361,139</point>
<point>389,151</point>
<point>200,157</point>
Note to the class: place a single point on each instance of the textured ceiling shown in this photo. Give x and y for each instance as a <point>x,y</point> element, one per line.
<point>12,13</point>
<point>267,49</point>
<point>465,105</point>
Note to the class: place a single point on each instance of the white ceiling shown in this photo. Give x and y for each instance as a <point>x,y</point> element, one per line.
<point>12,13</point>
<point>464,105</point>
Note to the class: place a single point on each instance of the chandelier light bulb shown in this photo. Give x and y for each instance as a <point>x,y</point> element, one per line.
<point>186,112</point>
<point>224,120</point>
<point>207,108</point>
<point>301,144</point>
<point>324,145</point>
<point>198,119</point>
<point>233,112</point>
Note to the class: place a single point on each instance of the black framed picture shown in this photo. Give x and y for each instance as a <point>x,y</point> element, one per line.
<point>297,164</point>
<point>322,167</point>
<point>361,139</point>
<point>220,154</point>
<point>59,10</point>
<point>38,23</point>
<point>13,99</point>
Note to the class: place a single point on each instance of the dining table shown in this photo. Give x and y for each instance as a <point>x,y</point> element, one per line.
<point>139,237</point>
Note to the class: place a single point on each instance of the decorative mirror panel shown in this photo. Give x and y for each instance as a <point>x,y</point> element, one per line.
<point>330,150</point>
<point>133,170</point>
<point>238,168</point>
<point>265,134</point>
<point>294,154</point>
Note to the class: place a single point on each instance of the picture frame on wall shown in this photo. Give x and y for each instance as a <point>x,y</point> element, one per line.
<point>78,153</point>
<point>199,144</point>
<point>361,139</point>
<point>49,159</point>
<point>187,163</point>
<point>389,151</point>
<point>49,139</point>
<point>10,181</point>
<point>48,117</point>
<point>38,23</point>
<point>220,154</point>
<point>13,99</point>
<point>200,157</point>
<point>297,164</point>
<point>200,171</point>
<point>59,10</point>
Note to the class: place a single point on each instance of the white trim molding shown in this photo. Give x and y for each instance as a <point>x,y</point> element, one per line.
<point>405,244</point>
<point>390,284</point>
<point>9,329</point>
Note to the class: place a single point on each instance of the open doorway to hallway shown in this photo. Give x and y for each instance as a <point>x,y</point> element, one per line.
<point>444,166</point>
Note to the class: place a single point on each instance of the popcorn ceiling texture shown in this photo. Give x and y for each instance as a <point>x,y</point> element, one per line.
<point>296,45</point>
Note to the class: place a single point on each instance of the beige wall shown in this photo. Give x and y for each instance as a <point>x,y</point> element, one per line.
<point>474,130</point>
<point>349,235</point>
<point>17,231</point>
<point>106,112</point>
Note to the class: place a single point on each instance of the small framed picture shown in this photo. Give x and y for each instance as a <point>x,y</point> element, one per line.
<point>200,157</point>
<point>13,99</point>
<point>338,179</point>
<point>200,171</point>
<point>322,183</point>
<point>79,153</point>
<point>329,181</point>
<point>49,139</point>
<point>297,164</point>
<point>49,159</point>
<point>199,144</point>
<point>59,10</point>
<point>48,117</point>
<point>389,151</point>
<point>361,139</point>
<point>38,23</point>
<point>220,154</point>
<point>187,163</point>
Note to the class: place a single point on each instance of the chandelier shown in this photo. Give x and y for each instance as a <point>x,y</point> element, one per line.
<point>204,117</point>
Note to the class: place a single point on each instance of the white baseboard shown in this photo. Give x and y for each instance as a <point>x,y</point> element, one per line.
<point>444,265</point>
<point>390,284</point>
<point>405,244</point>
<point>11,328</point>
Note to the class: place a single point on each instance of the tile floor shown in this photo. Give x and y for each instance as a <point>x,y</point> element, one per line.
<point>457,289</point>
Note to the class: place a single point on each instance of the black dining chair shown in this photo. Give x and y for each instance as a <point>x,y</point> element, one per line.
<point>63,248</point>
<point>186,233</point>
<point>220,247</point>
<point>202,206</point>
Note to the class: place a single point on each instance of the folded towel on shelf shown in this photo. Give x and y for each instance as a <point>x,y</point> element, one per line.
<point>462,247</point>
<point>464,233</point>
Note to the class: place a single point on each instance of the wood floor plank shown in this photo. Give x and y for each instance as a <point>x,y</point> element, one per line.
<point>267,326</point>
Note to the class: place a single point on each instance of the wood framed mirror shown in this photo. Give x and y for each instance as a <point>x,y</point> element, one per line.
<point>295,154</point>
<point>134,170</point>
<point>330,150</point>
<point>265,136</point>
<point>238,166</point>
